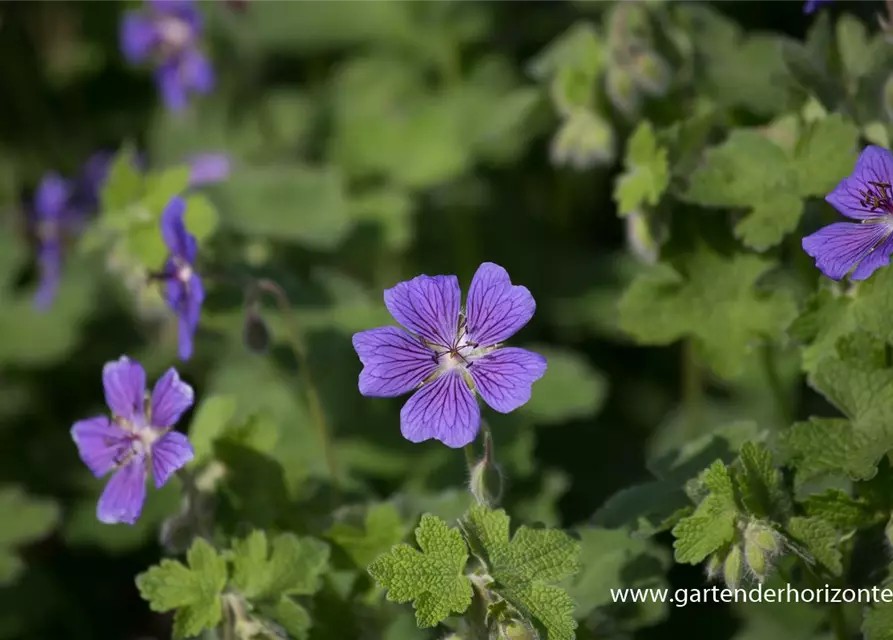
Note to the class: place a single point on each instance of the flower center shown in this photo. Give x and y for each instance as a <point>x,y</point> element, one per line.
<point>175,33</point>
<point>141,440</point>
<point>183,270</point>
<point>877,198</point>
<point>47,230</point>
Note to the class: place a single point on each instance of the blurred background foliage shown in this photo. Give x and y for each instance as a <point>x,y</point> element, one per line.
<point>370,142</point>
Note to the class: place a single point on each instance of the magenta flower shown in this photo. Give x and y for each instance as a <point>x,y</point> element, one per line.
<point>137,439</point>
<point>448,354</point>
<point>184,290</point>
<point>864,196</point>
<point>168,33</point>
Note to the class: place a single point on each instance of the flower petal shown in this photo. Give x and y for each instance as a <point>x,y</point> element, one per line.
<point>171,397</point>
<point>194,295</point>
<point>839,247</point>
<point>178,240</point>
<point>171,85</point>
<point>49,262</point>
<point>124,382</point>
<point>878,258</point>
<point>504,377</point>
<point>197,72</point>
<point>101,443</point>
<point>138,35</point>
<point>427,306</point>
<point>208,168</point>
<point>122,500</point>
<point>51,197</point>
<point>170,453</point>
<point>874,165</point>
<point>394,362</point>
<point>496,309</point>
<point>444,409</point>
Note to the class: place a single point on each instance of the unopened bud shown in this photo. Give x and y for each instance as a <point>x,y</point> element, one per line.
<point>650,73</point>
<point>733,567</point>
<point>642,237</point>
<point>485,482</point>
<point>255,332</point>
<point>584,140</point>
<point>714,565</point>
<point>515,630</point>
<point>621,89</point>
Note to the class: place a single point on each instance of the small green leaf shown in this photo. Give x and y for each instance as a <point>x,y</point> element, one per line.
<point>854,45</point>
<point>820,539</point>
<point>432,578</point>
<point>23,519</point>
<point>523,566</point>
<point>580,48</point>
<point>877,623</point>
<point>841,510</point>
<point>383,528</point>
<point>760,483</point>
<point>713,524</point>
<point>194,591</point>
<point>211,418</point>
<point>289,566</point>
<point>647,172</point>
<point>825,152</point>
<point>123,185</point>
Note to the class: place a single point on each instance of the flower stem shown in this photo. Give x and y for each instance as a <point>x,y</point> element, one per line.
<point>469,457</point>
<point>317,415</point>
<point>770,368</point>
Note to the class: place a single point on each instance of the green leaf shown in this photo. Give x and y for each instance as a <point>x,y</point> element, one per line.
<point>124,183</point>
<point>825,152</point>
<point>854,45</point>
<point>522,567</point>
<point>432,578</point>
<point>382,529</point>
<point>584,140</point>
<point>579,48</point>
<point>194,591</point>
<point>571,388</point>
<point>825,446</point>
<point>295,203</point>
<point>647,173</point>
<point>211,419</point>
<point>760,483</point>
<point>877,623</point>
<point>294,618</point>
<point>289,566</point>
<point>826,317</point>
<point>820,539</point>
<point>711,298</point>
<point>713,524</point>
<point>811,72</point>
<point>23,519</point>
<point>841,510</point>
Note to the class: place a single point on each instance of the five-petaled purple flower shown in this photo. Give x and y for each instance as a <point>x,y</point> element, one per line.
<point>450,353</point>
<point>168,32</point>
<point>865,196</point>
<point>138,437</point>
<point>184,290</point>
<point>811,5</point>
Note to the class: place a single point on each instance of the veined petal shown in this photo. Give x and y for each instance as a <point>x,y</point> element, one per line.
<point>179,242</point>
<point>444,409</point>
<point>138,35</point>
<point>171,397</point>
<point>504,377</point>
<point>189,313</point>
<point>428,306</point>
<point>878,258</point>
<point>101,443</point>
<point>394,362</point>
<point>170,453</point>
<point>839,247</point>
<point>496,309</point>
<point>875,165</point>
<point>124,382</point>
<point>122,500</point>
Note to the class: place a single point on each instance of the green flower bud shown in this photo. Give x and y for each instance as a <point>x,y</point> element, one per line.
<point>756,560</point>
<point>583,141</point>
<point>733,567</point>
<point>514,630</point>
<point>714,565</point>
<point>620,86</point>
<point>485,483</point>
<point>644,237</point>
<point>650,73</point>
<point>761,544</point>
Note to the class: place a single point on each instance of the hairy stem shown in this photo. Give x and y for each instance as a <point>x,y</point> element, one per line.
<point>314,402</point>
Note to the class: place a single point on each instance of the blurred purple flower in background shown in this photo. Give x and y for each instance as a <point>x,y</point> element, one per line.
<point>811,5</point>
<point>167,32</point>
<point>184,290</point>
<point>208,168</point>
<point>865,196</point>
<point>138,437</point>
<point>60,209</point>
<point>448,355</point>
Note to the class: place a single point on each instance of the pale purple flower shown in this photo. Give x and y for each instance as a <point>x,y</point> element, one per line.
<point>184,290</point>
<point>208,168</point>
<point>136,440</point>
<point>811,5</point>
<point>448,354</point>
<point>864,196</point>
<point>168,32</point>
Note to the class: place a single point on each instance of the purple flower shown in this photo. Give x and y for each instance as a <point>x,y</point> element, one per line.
<point>866,197</point>
<point>448,354</point>
<point>184,290</point>
<point>168,32</point>
<point>208,168</point>
<point>136,439</point>
<point>811,5</point>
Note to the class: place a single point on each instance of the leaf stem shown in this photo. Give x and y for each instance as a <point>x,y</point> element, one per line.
<point>770,369</point>
<point>314,402</point>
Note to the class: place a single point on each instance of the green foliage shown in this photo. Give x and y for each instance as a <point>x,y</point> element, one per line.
<point>382,528</point>
<point>647,173</point>
<point>713,524</point>
<point>194,590</point>
<point>432,577</point>
<point>25,519</point>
